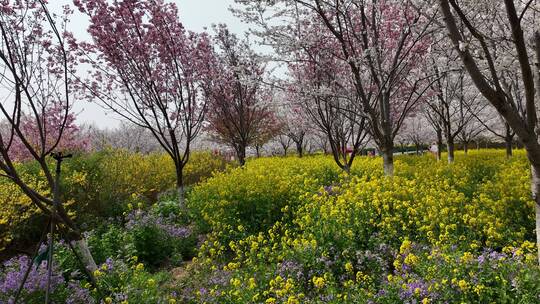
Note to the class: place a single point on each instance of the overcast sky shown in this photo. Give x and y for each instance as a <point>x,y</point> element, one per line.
<point>196,15</point>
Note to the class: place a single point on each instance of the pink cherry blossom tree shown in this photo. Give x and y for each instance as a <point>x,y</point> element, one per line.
<point>150,71</point>
<point>242,113</point>
<point>295,122</point>
<point>298,129</point>
<point>56,124</point>
<point>383,45</point>
<point>327,98</point>
<point>37,64</point>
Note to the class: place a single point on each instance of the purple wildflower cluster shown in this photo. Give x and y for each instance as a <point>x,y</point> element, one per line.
<point>12,274</point>
<point>139,218</point>
<point>219,279</point>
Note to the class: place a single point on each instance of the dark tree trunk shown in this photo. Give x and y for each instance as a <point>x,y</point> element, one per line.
<point>508,139</point>
<point>508,146</point>
<point>241,154</point>
<point>300,149</point>
<point>466,147</point>
<point>450,147</point>
<point>258,150</point>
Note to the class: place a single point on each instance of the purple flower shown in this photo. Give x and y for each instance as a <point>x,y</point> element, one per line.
<point>139,218</point>
<point>481,259</point>
<point>109,263</point>
<point>13,274</point>
<point>290,268</point>
<point>418,288</point>
<point>220,277</point>
<point>78,295</point>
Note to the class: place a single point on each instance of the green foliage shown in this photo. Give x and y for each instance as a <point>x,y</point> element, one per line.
<point>130,282</point>
<point>151,244</point>
<point>101,184</point>
<point>110,241</point>
<point>97,186</point>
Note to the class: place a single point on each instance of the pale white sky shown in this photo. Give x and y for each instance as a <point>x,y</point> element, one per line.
<point>196,15</point>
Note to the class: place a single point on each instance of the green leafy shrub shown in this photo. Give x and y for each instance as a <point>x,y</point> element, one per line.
<point>97,186</point>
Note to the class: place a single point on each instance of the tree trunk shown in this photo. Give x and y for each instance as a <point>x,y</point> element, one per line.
<point>258,150</point>
<point>439,145</point>
<point>82,248</point>
<point>300,149</point>
<point>450,148</point>
<point>466,147</point>
<point>388,159</point>
<point>535,188</point>
<point>536,171</point>
<point>241,155</point>
<point>508,145</point>
<point>180,185</point>
<point>181,196</point>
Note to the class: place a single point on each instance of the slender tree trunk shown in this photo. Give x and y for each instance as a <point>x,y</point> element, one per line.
<point>82,248</point>
<point>535,188</point>
<point>241,155</point>
<point>466,147</point>
<point>258,150</point>
<point>450,148</point>
<point>439,144</point>
<point>180,185</point>
<point>536,169</point>
<point>508,145</point>
<point>300,149</point>
<point>388,159</point>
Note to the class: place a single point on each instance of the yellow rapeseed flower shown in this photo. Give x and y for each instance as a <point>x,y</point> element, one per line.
<point>318,282</point>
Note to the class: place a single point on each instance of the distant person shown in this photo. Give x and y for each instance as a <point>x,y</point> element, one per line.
<point>434,149</point>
